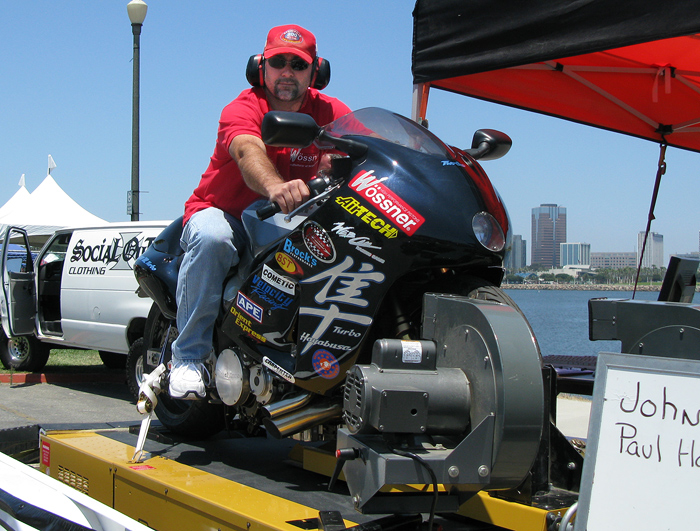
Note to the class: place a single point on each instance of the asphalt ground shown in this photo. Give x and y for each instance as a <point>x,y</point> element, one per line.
<point>80,401</point>
<point>102,401</point>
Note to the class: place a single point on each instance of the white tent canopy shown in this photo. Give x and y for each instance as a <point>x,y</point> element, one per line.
<point>16,201</point>
<point>45,210</point>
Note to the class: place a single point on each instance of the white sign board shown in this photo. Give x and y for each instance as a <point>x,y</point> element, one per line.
<point>642,465</point>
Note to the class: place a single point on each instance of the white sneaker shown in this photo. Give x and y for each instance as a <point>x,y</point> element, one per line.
<point>189,380</point>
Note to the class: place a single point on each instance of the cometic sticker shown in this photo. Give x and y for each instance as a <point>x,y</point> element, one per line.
<point>279,281</point>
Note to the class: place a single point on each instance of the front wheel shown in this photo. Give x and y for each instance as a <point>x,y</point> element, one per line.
<point>191,418</point>
<point>23,353</point>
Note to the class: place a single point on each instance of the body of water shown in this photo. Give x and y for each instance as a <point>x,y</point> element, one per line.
<point>559,319</point>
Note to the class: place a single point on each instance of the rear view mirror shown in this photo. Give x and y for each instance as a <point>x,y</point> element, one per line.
<point>289,129</point>
<point>489,144</point>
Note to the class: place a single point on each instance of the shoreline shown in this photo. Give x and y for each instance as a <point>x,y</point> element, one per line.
<point>581,287</point>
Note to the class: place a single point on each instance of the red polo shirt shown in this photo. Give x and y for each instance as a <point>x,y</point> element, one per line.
<point>222,185</point>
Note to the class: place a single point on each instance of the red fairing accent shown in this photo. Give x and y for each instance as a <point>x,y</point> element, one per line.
<point>493,201</point>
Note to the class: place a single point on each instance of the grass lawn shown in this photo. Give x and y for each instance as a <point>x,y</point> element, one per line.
<point>73,361</point>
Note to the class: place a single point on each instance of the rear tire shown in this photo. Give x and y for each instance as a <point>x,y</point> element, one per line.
<point>112,360</point>
<point>192,418</point>
<point>23,353</point>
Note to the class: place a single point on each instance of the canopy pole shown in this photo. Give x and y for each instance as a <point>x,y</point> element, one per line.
<point>661,169</point>
<point>420,103</point>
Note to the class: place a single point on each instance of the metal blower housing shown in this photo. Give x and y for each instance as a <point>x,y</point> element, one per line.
<point>468,400</point>
<point>403,391</point>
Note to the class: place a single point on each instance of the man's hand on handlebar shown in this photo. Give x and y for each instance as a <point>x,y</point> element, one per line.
<point>289,195</point>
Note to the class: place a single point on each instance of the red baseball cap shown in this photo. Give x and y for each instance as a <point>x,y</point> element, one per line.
<point>291,39</point>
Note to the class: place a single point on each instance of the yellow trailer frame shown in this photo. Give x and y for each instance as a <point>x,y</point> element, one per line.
<point>167,495</point>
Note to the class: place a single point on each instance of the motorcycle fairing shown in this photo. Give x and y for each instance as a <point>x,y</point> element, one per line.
<point>344,257</point>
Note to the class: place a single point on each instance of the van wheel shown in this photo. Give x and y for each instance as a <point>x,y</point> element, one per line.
<point>112,360</point>
<point>23,353</point>
<point>134,366</point>
<point>192,418</point>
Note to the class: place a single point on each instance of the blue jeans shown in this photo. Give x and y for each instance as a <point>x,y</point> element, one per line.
<point>211,239</point>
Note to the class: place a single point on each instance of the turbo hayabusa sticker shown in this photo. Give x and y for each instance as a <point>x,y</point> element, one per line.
<point>318,242</point>
<point>391,205</point>
<point>361,243</point>
<point>346,332</point>
<point>249,307</point>
<point>343,286</point>
<point>288,264</point>
<point>325,364</point>
<point>308,338</point>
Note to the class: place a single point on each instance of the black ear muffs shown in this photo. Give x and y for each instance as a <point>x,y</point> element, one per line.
<point>320,76</point>
<point>254,72</point>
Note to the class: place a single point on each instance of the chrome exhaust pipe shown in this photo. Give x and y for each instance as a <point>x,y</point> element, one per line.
<point>288,405</point>
<point>303,419</point>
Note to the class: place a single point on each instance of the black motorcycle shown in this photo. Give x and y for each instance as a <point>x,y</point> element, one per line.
<point>372,316</point>
<point>400,215</point>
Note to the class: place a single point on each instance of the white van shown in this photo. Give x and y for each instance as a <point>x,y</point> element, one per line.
<point>78,292</point>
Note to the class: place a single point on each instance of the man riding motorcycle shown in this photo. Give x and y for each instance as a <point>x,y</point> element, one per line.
<point>286,77</point>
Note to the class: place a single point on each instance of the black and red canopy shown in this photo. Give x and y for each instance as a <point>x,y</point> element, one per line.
<point>631,66</point>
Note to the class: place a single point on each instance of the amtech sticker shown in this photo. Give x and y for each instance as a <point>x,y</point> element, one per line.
<point>391,205</point>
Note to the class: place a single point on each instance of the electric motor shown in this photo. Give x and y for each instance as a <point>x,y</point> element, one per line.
<point>402,391</point>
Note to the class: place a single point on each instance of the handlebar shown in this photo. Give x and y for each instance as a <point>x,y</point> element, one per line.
<point>316,186</point>
<point>268,210</point>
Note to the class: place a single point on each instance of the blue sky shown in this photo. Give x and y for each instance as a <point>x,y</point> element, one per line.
<point>65,90</point>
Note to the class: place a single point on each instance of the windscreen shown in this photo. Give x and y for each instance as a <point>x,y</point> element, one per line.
<point>379,123</point>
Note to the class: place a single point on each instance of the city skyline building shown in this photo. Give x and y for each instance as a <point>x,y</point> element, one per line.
<point>548,233</point>
<point>613,260</point>
<point>574,254</point>
<point>654,250</point>
<point>516,258</point>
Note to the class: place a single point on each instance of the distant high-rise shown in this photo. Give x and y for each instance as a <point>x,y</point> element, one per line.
<point>654,251</point>
<point>516,257</point>
<point>548,232</point>
<point>575,254</point>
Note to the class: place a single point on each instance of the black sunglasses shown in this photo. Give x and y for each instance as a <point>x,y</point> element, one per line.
<point>279,63</point>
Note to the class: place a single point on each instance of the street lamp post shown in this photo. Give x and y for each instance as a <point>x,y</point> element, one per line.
<point>137,14</point>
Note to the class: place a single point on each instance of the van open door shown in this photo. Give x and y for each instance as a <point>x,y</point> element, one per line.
<point>19,302</point>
